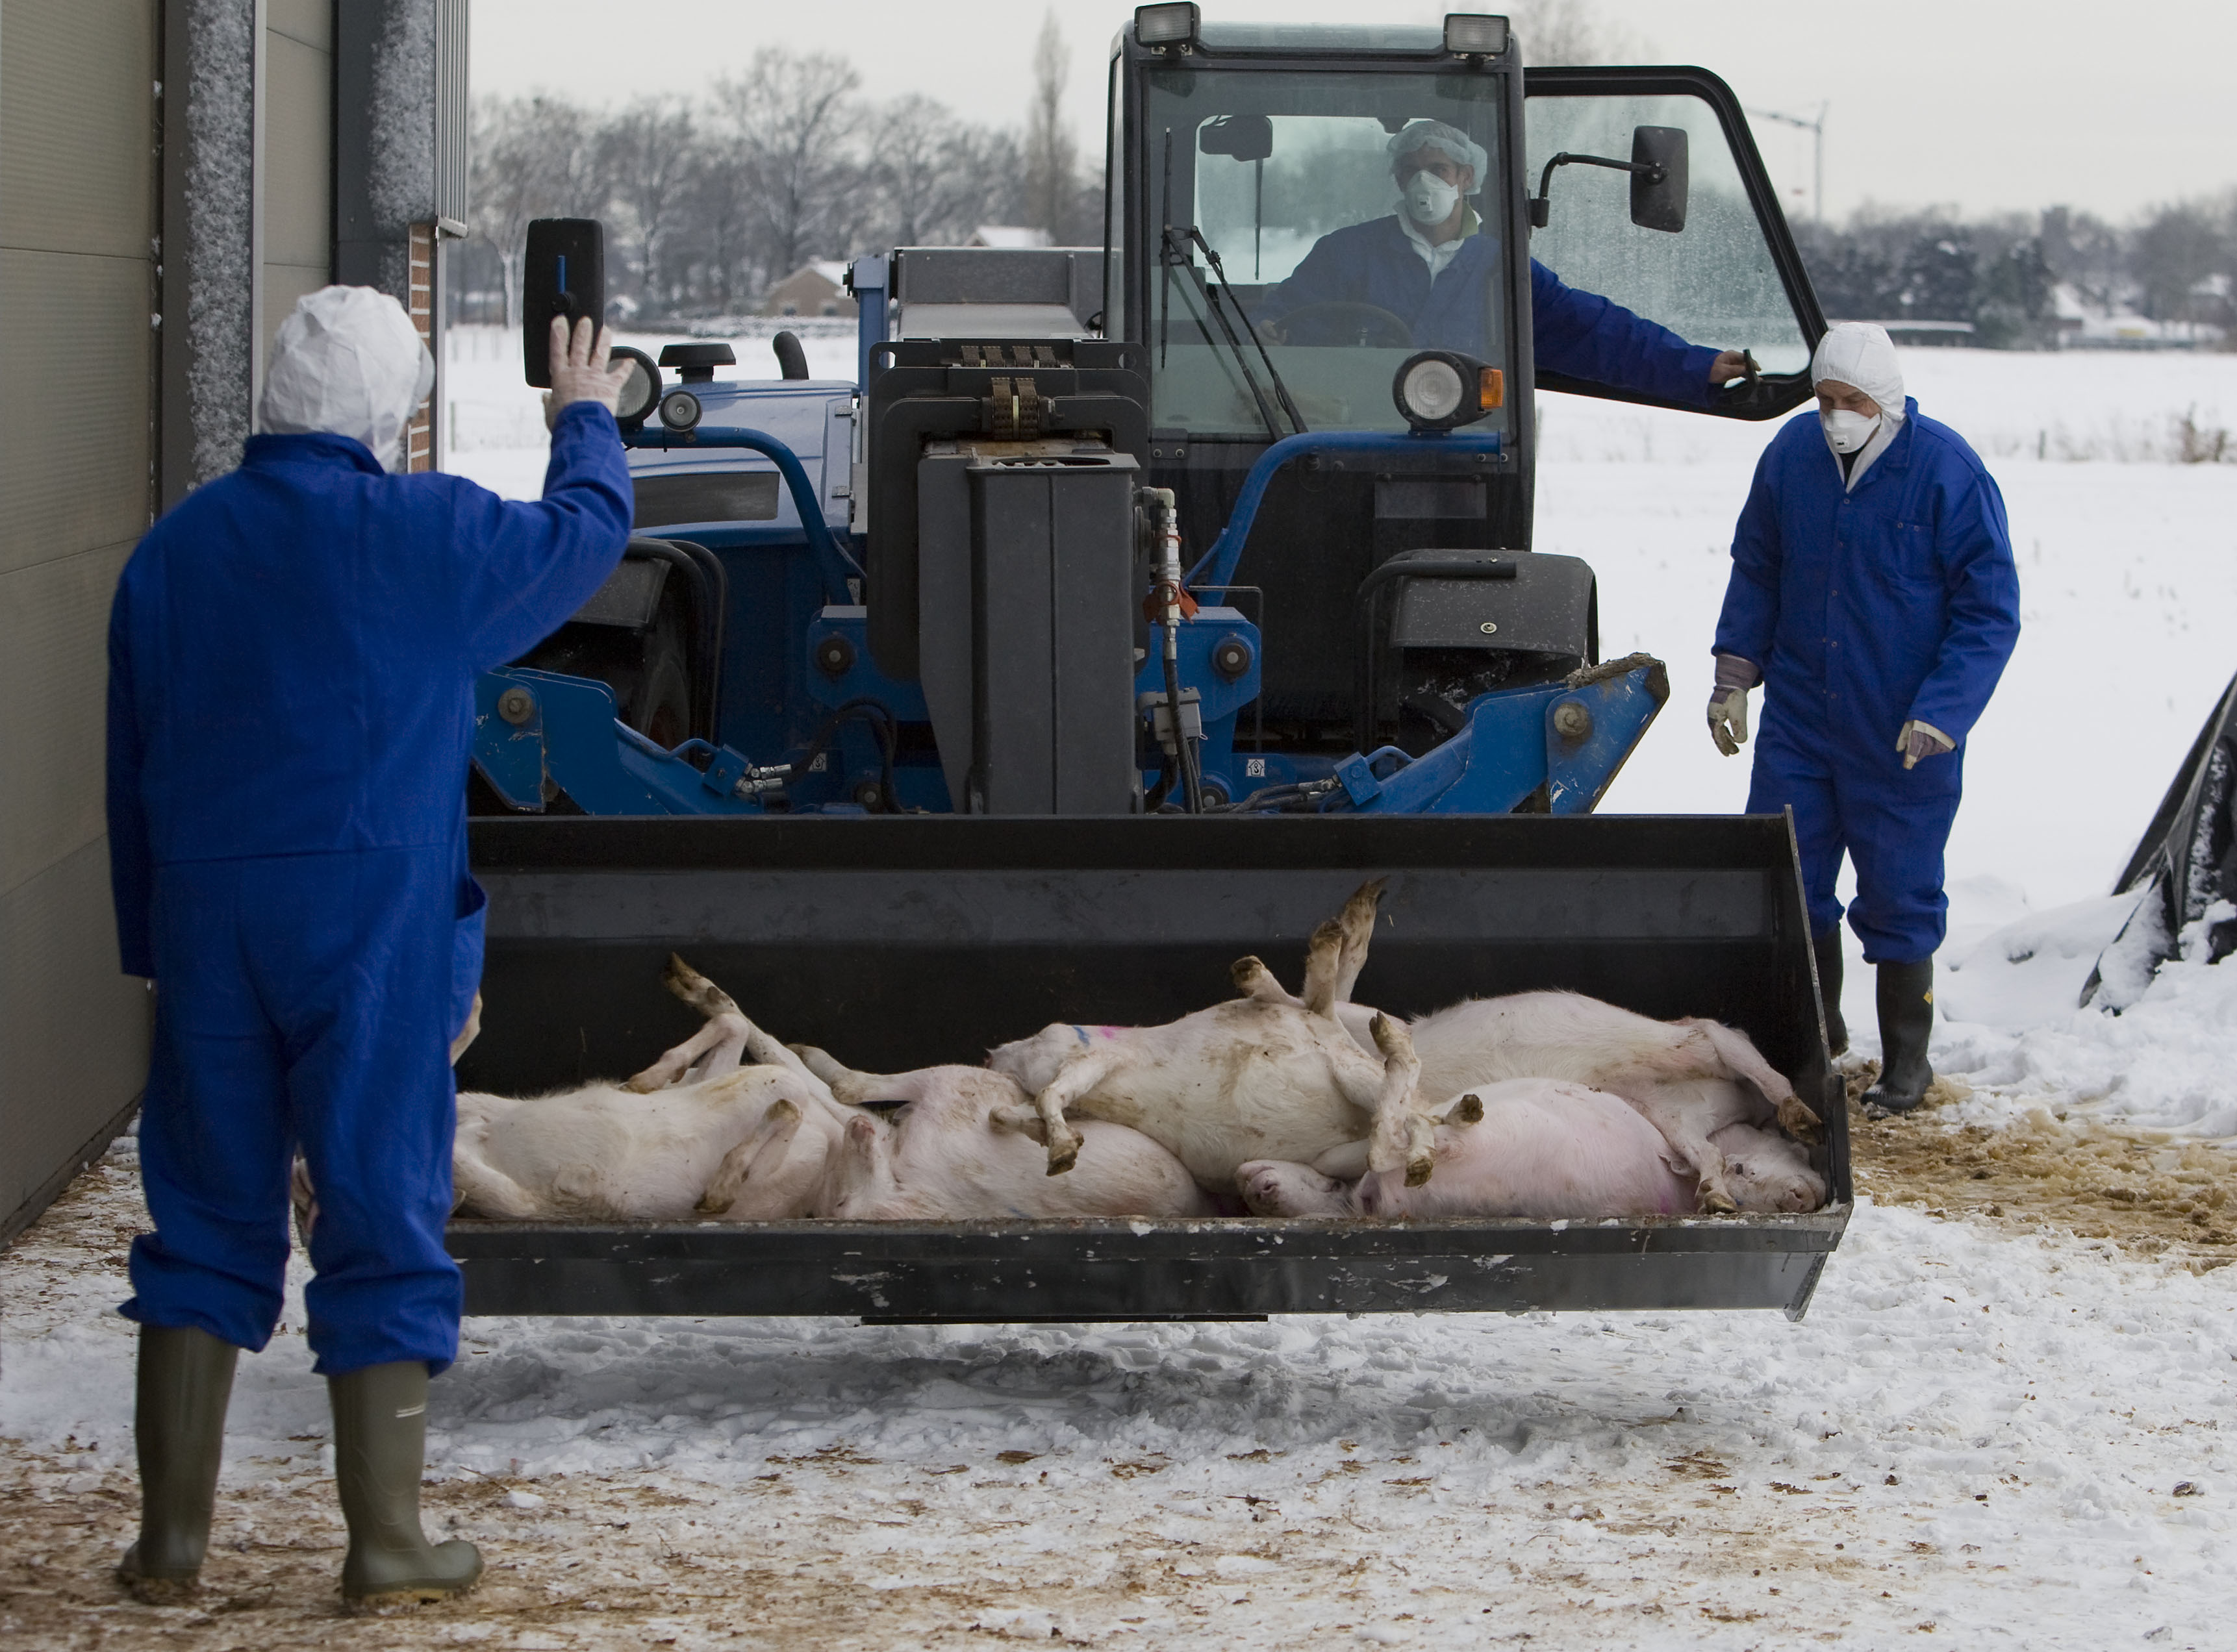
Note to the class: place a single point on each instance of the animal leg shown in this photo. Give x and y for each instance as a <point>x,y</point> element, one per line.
<point>305,1202</point>
<point>1796,1116</point>
<point>480,1189</point>
<point>773,1136</point>
<point>729,1036</point>
<point>1019,1120</point>
<point>1254,980</point>
<point>717,1045</point>
<point>848,1086</point>
<point>468,1033</point>
<point>1080,1075</point>
<point>1690,1145</point>
<point>1345,1163</point>
<point>1356,922</point>
<point>1395,1141</point>
<point>1324,960</point>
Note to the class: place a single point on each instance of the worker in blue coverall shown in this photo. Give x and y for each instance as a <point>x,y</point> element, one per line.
<point>1429,265</point>
<point>291,656</point>
<point>1873,595</point>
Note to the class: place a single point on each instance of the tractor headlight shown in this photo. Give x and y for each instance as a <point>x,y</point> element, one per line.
<point>1474,34</point>
<point>679,410</point>
<point>1166,25</point>
<point>640,391</point>
<point>1429,391</point>
<point>1438,389</point>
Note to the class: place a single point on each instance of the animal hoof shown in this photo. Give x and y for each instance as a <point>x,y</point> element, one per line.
<point>1467,1110</point>
<point>1417,1171</point>
<point>1717,1203</point>
<point>1061,1159</point>
<point>1244,971</point>
<point>706,1206</point>
<point>1797,1119</point>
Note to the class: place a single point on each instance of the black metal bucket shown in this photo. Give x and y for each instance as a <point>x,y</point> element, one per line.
<point>898,942</point>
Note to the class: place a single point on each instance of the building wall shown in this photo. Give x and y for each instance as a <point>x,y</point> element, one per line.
<point>169,174</point>
<point>298,174</point>
<point>79,125</point>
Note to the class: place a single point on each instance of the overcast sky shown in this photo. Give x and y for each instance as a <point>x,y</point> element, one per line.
<point>1984,105</point>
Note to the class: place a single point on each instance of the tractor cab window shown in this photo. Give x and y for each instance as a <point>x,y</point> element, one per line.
<point>1288,185</point>
<point>1704,269</point>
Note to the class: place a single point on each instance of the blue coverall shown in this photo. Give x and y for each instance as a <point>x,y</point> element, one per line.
<point>1864,610</point>
<point>1580,334</point>
<point>291,656</point>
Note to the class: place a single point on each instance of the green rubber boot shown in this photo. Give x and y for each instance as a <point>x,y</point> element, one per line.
<point>380,1446</point>
<point>1906,1005</point>
<point>178,1424</point>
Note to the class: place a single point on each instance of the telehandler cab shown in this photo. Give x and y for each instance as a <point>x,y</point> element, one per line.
<point>1117,618</point>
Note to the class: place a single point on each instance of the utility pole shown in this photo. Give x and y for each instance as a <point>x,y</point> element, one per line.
<point>1817,130</point>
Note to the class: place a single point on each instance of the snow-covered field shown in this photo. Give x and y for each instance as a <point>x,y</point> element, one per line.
<point>1990,1428</point>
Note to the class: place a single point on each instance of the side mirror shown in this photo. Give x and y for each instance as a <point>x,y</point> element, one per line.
<point>564,274</point>
<point>1247,137</point>
<point>1657,177</point>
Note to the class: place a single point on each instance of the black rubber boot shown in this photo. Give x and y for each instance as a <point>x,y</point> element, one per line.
<point>380,1444</point>
<point>1827,947</point>
<point>1906,1001</point>
<point>178,1424</point>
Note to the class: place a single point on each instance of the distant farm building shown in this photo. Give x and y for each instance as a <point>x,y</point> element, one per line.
<point>819,288</point>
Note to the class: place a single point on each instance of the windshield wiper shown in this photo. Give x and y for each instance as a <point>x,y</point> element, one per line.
<point>1178,253</point>
<point>1212,257</point>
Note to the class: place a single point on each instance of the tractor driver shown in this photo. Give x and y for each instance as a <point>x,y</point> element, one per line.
<point>1429,264</point>
<point>291,651</point>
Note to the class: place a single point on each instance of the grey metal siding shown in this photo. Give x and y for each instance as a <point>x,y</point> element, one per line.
<point>297,174</point>
<point>77,227</point>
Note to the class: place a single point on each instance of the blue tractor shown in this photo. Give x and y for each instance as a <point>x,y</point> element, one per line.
<point>1128,603</point>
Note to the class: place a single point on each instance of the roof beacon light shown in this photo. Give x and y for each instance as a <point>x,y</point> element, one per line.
<point>1467,34</point>
<point>1169,25</point>
<point>1437,390</point>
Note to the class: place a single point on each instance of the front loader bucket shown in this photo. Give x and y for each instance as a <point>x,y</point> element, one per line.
<point>898,942</point>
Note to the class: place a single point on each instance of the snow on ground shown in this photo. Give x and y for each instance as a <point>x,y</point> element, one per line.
<point>2000,1440</point>
<point>1987,1428</point>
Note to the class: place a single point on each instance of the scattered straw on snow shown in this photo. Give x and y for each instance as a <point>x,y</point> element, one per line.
<point>1974,1428</point>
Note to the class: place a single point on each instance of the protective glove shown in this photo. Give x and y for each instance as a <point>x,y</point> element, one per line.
<point>1728,703</point>
<point>579,372</point>
<point>1920,740</point>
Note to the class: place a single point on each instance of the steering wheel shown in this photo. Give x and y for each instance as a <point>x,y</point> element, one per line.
<point>1342,322</point>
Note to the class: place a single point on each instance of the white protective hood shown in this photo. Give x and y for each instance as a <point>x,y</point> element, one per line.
<point>1861,354</point>
<point>347,362</point>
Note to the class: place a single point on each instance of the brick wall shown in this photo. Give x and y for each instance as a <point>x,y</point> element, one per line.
<point>421,444</point>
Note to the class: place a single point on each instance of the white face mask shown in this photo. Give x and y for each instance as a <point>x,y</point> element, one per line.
<point>1429,199</point>
<point>1848,431</point>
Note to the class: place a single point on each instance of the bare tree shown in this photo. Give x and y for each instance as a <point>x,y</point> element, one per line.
<point>936,177</point>
<point>531,158</point>
<point>797,119</point>
<point>721,218</point>
<point>1052,158</point>
<point>646,155</point>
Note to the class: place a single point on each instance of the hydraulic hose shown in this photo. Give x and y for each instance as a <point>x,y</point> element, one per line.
<point>1167,596</point>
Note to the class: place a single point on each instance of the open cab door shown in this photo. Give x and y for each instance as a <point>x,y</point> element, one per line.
<point>1698,243</point>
